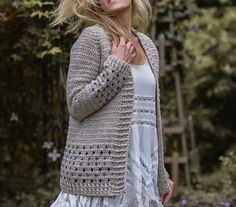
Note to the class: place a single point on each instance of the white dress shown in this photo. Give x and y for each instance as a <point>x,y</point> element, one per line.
<point>141,186</point>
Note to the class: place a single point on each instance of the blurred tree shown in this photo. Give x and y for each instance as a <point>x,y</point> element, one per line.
<point>34,60</point>
<point>210,77</point>
<point>204,35</point>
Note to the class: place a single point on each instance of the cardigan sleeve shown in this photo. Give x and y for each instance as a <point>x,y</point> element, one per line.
<point>167,174</point>
<point>87,89</point>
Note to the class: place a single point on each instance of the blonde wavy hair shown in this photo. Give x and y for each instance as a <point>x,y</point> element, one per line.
<point>76,12</point>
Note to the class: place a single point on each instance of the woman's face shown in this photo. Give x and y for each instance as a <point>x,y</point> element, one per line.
<point>114,6</point>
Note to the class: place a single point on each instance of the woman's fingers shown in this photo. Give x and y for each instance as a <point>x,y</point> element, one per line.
<point>131,56</point>
<point>124,50</point>
<point>128,51</point>
<point>131,47</point>
<point>128,45</point>
<point>167,197</point>
<point>113,44</point>
<point>122,41</point>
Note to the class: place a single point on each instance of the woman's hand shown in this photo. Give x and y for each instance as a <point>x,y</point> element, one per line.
<point>124,51</point>
<point>166,197</point>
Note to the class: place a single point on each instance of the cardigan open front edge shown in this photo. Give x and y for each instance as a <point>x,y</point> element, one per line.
<point>100,102</point>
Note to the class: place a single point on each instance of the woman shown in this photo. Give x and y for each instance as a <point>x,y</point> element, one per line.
<point>114,148</point>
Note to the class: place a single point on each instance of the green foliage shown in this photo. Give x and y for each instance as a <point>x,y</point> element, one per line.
<point>40,194</point>
<point>213,190</point>
<point>35,60</point>
<point>206,45</point>
<point>210,78</point>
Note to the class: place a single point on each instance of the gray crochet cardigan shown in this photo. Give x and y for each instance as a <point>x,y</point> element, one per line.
<point>100,103</point>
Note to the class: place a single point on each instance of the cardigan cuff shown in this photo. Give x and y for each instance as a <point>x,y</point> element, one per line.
<point>116,64</point>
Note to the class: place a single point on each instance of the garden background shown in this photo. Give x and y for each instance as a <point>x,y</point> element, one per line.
<point>33,123</point>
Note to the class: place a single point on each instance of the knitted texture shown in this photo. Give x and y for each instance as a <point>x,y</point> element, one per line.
<point>100,95</point>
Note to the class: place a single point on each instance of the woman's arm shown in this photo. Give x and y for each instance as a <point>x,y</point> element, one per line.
<point>87,89</point>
